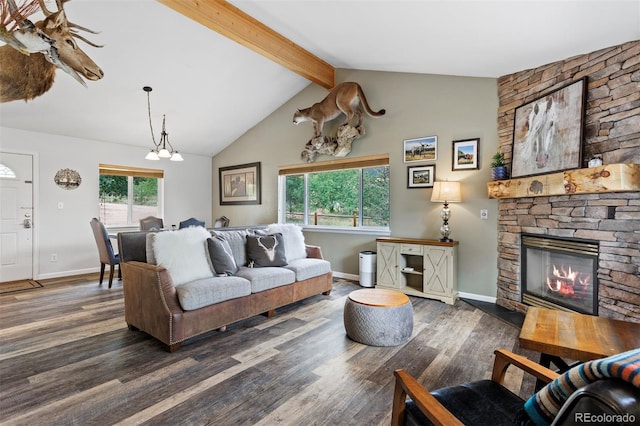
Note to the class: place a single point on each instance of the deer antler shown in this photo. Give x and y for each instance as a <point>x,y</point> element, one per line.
<point>72,27</point>
<point>271,252</point>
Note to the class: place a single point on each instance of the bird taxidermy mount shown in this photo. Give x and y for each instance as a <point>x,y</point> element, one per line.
<point>346,98</point>
<point>34,51</point>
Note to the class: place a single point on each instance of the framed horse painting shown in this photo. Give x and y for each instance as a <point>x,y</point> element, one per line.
<point>547,133</point>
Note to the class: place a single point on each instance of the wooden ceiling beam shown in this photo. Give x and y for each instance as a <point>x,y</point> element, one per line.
<point>233,23</point>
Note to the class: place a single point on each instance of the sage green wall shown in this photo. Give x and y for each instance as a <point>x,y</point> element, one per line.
<point>417,105</point>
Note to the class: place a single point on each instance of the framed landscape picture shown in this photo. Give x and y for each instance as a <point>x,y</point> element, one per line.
<point>421,176</point>
<point>465,154</point>
<point>240,184</point>
<point>420,149</point>
<point>547,133</point>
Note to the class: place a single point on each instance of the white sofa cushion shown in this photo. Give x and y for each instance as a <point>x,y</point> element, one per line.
<point>309,268</point>
<point>266,278</point>
<point>183,253</point>
<point>294,246</point>
<point>209,291</point>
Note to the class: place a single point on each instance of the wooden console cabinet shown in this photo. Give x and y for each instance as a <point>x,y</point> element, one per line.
<point>424,268</point>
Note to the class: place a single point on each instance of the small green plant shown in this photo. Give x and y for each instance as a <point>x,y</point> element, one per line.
<point>497,160</point>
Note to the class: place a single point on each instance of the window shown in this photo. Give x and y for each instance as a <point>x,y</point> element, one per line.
<point>350,193</point>
<point>128,194</point>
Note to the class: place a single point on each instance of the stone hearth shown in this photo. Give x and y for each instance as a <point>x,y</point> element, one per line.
<point>612,129</point>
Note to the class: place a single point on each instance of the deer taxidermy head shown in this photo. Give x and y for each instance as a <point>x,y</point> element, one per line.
<point>34,51</point>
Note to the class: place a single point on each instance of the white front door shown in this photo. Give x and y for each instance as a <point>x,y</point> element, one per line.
<point>16,217</point>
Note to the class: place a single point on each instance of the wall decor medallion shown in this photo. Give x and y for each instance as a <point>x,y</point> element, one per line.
<point>547,133</point>
<point>240,184</point>
<point>67,179</point>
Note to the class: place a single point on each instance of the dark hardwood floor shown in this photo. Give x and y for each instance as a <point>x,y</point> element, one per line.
<point>67,357</point>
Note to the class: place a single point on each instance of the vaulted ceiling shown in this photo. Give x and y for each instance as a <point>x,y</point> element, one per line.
<point>213,89</point>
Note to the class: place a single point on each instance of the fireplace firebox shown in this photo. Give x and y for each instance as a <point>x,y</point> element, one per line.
<point>560,273</point>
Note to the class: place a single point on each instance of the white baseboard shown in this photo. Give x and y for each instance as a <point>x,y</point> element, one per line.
<point>479,297</point>
<point>346,276</point>
<point>72,273</point>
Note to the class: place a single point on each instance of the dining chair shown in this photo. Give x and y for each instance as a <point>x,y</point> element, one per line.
<point>151,223</point>
<point>192,221</point>
<point>221,222</point>
<point>105,250</point>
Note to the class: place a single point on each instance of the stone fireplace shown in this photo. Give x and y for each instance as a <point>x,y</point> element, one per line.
<point>609,217</point>
<point>559,273</point>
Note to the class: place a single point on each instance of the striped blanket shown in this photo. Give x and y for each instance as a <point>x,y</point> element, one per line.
<point>544,405</point>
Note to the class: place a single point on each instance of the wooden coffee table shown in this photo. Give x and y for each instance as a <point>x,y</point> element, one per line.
<point>577,337</point>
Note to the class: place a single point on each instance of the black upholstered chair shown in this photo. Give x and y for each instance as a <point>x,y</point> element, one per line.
<point>488,402</point>
<point>105,250</point>
<point>192,221</point>
<point>151,223</point>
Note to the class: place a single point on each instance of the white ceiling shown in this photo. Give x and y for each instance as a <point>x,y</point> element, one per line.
<point>213,90</point>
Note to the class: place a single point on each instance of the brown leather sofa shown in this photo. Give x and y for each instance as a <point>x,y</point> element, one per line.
<point>152,305</point>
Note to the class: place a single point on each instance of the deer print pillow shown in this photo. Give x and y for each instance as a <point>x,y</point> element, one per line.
<point>266,250</point>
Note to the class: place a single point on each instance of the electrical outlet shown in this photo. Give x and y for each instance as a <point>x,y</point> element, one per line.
<point>54,257</point>
<point>484,214</point>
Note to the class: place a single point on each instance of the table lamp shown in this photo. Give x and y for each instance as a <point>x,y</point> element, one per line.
<point>447,192</point>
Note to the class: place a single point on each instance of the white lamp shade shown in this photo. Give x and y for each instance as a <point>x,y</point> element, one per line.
<point>176,157</point>
<point>152,155</point>
<point>164,153</point>
<point>446,192</point>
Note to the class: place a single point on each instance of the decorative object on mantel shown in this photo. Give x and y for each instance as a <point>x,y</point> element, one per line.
<point>447,192</point>
<point>160,149</point>
<point>346,98</point>
<point>498,166</point>
<point>607,178</point>
<point>595,161</point>
<point>547,133</point>
<point>67,179</point>
<point>33,52</point>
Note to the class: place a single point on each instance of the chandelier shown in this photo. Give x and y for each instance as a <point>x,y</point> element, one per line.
<point>160,149</point>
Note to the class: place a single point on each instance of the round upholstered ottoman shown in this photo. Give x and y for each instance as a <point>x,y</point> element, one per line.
<point>378,317</point>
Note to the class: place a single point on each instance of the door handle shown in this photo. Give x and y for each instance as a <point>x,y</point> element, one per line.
<point>27,221</point>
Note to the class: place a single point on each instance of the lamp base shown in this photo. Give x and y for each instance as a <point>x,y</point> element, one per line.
<point>446,240</point>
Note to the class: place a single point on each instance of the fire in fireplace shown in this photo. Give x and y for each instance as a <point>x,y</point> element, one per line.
<point>560,273</point>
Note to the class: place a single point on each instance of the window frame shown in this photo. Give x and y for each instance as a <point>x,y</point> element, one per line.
<point>130,173</point>
<point>359,163</point>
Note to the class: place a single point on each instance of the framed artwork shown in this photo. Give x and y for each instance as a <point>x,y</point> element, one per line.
<point>465,154</point>
<point>421,176</point>
<point>240,184</point>
<point>547,133</point>
<point>420,149</point>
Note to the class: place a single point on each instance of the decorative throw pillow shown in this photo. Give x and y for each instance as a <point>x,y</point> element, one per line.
<point>221,256</point>
<point>183,253</point>
<point>266,250</point>
<point>294,246</point>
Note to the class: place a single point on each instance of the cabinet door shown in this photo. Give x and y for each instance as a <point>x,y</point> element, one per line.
<point>387,265</point>
<point>437,271</point>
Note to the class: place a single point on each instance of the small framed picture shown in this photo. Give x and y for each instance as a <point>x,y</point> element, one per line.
<point>240,184</point>
<point>420,149</point>
<point>465,154</point>
<point>421,176</point>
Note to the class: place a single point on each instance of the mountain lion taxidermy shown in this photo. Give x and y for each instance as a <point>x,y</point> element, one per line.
<point>345,98</point>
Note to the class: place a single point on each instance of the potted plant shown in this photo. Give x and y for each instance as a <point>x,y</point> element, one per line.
<point>498,166</point>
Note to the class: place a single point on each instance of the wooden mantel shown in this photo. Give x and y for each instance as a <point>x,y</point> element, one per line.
<point>606,178</point>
